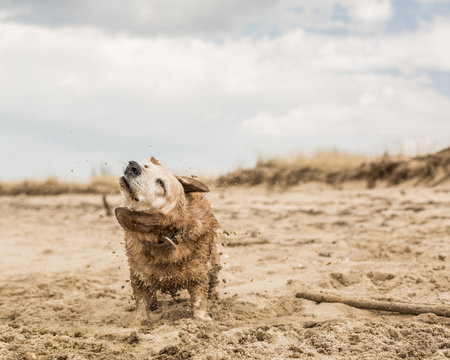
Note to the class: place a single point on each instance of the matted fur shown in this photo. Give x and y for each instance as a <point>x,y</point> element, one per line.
<point>193,264</point>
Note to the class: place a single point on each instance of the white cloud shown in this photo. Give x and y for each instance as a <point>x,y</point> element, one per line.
<point>422,49</point>
<point>371,11</point>
<point>387,107</point>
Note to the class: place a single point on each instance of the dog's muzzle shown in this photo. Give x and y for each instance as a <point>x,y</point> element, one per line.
<point>132,170</point>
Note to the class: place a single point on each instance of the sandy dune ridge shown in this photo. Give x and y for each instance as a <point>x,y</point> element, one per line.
<point>64,290</point>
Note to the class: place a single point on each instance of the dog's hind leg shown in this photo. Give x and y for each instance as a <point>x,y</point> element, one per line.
<point>213,272</point>
<point>213,294</point>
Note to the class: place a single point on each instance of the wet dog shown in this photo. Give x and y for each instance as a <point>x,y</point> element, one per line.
<point>169,237</point>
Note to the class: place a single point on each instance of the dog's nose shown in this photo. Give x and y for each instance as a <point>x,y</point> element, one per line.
<point>133,169</point>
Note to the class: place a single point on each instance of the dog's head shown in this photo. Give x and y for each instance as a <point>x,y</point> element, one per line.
<point>152,187</point>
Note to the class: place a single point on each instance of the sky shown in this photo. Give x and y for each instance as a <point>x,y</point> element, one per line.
<point>206,86</point>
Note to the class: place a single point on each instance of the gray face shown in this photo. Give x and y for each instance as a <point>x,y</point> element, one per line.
<point>149,186</point>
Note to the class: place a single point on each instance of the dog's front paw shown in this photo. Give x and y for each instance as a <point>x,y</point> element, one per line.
<point>202,315</point>
<point>141,317</point>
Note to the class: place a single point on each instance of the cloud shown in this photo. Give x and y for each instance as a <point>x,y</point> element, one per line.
<point>380,107</point>
<point>205,18</point>
<point>90,94</point>
<point>371,11</point>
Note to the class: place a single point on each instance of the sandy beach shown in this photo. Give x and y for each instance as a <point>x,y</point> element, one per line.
<point>65,291</point>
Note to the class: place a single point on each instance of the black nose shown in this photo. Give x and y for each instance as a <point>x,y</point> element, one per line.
<point>133,169</point>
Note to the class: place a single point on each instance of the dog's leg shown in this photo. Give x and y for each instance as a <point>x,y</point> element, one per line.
<point>199,294</point>
<point>213,294</point>
<point>145,300</point>
<point>213,272</point>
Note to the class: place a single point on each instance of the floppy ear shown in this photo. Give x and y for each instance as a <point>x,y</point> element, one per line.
<point>136,221</point>
<point>191,185</point>
<point>154,161</point>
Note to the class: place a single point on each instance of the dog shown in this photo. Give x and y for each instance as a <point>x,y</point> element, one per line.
<point>169,237</point>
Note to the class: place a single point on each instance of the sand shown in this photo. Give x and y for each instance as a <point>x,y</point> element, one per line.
<point>65,294</point>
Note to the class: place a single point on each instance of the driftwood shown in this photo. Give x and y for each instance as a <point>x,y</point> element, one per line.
<point>244,243</point>
<point>106,206</point>
<point>401,308</point>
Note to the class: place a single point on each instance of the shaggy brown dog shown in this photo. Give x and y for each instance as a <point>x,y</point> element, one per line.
<point>169,237</point>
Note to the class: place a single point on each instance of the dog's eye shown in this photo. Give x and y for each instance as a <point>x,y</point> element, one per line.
<point>160,182</point>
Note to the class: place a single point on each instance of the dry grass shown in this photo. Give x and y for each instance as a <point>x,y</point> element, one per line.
<point>325,159</point>
<point>335,167</point>
<point>102,184</point>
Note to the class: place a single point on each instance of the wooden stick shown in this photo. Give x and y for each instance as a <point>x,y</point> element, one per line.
<point>106,206</point>
<point>401,308</point>
<point>244,243</point>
